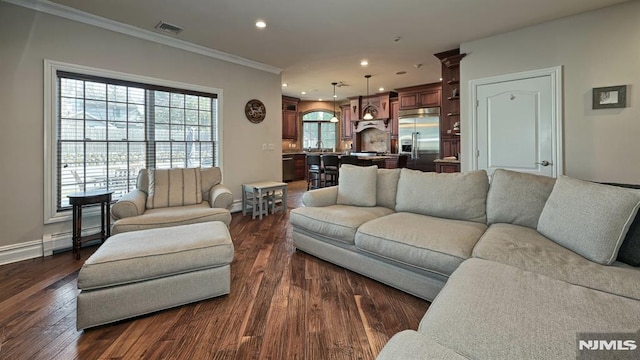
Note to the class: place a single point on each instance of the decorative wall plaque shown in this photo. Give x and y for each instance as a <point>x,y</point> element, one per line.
<point>255,111</point>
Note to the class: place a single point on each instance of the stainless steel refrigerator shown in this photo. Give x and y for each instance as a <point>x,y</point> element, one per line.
<point>419,137</point>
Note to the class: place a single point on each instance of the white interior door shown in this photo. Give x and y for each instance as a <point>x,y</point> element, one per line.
<point>516,123</point>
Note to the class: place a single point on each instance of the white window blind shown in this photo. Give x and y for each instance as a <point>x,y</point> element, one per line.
<point>109,129</point>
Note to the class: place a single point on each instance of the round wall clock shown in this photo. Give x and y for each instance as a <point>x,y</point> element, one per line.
<point>255,111</point>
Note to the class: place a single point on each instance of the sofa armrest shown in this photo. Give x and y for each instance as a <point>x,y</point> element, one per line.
<point>320,197</point>
<point>130,204</point>
<point>220,197</point>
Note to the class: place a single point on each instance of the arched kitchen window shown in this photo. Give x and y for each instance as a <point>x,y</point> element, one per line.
<point>318,131</point>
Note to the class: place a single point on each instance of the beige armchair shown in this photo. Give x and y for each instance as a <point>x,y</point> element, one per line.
<point>170,197</point>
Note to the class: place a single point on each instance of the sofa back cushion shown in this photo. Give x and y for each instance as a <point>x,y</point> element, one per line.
<point>589,219</point>
<point>357,185</point>
<point>387,187</point>
<point>458,196</point>
<point>174,187</point>
<point>517,198</point>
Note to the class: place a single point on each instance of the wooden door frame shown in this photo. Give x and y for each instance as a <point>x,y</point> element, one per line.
<point>556,110</point>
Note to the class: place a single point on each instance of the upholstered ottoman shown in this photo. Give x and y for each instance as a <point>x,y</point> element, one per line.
<point>139,272</point>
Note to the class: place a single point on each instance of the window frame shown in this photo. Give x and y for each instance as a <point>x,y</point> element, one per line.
<point>319,124</point>
<point>51,174</point>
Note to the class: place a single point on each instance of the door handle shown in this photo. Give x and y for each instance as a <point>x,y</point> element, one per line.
<point>544,163</point>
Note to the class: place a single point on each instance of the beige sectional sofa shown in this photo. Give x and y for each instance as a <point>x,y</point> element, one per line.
<point>171,197</point>
<point>523,268</point>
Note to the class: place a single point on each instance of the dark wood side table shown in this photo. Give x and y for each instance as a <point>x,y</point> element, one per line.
<point>77,201</point>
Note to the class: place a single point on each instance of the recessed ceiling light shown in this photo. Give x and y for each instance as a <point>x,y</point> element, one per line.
<point>440,79</point>
<point>364,63</point>
<point>261,24</point>
<point>381,89</point>
<point>335,96</point>
<point>303,93</point>
<point>319,99</point>
<point>285,84</point>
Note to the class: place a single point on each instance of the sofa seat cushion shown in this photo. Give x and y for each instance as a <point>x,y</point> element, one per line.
<point>337,222</point>
<point>525,248</point>
<point>412,345</point>
<point>429,243</point>
<point>489,310</point>
<point>151,254</point>
<point>172,216</point>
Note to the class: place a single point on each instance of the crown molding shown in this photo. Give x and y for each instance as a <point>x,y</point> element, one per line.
<point>108,24</point>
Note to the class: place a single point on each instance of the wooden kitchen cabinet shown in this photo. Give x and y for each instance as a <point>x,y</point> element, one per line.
<point>299,167</point>
<point>354,108</point>
<point>347,126</point>
<point>290,118</point>
<point>394,108</point>
<point>450,107</point>
<point>447,166</point>
<point>420,96</point>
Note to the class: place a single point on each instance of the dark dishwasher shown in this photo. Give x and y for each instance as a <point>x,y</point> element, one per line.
<point>287,168</point>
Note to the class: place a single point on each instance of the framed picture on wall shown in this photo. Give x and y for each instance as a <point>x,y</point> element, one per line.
<point>610,97</point>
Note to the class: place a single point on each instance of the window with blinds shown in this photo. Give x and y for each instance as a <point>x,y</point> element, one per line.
<point>318,131</point>
<point>109,129</point>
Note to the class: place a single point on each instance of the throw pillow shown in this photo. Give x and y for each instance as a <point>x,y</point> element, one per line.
<point>387,187</point>
<point>174,187</point>
<point>357,185</point>
<point>589,219</point>
<point>517,198</point>
<point>458,196</point>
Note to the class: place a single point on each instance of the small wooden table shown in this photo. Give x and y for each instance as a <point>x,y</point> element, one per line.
<point>77,201</point>
<point>261,195</point>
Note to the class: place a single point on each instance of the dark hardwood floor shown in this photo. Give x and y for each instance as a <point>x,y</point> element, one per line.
<point>284,304</point>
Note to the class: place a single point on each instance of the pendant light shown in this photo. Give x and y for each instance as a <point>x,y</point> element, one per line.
<point>334,119</point>
<point>367,114</point>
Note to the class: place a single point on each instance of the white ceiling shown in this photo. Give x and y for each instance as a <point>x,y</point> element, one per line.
<point>321,41</point>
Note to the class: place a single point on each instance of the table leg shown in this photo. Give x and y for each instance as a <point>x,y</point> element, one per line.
<point>77,231</point>
<point>284,199</point>
<point>108,218</point>
<point>260,202</point>
<point>244,201</point>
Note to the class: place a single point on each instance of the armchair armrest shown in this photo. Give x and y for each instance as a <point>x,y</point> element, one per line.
<point>131,204</point>
<point>320,197</point>
<point>220,197</point>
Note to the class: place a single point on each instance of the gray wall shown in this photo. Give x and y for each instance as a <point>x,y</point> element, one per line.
<point>598,48</point>
<point>28,37</point>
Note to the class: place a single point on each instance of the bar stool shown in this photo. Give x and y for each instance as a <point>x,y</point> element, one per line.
<point>330,165</point>
<point>314,171</point>
<point>402,161</point>
<point>349,159</point>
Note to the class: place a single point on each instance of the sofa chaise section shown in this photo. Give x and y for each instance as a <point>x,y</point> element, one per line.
<point>495,311</point>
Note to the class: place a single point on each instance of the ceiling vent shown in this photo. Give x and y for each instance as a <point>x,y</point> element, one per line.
<point>169,28</point>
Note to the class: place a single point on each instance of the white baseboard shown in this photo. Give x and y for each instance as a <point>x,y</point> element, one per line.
<point>236,206</point>
<point>19,252</point>
<point>49,244</point>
